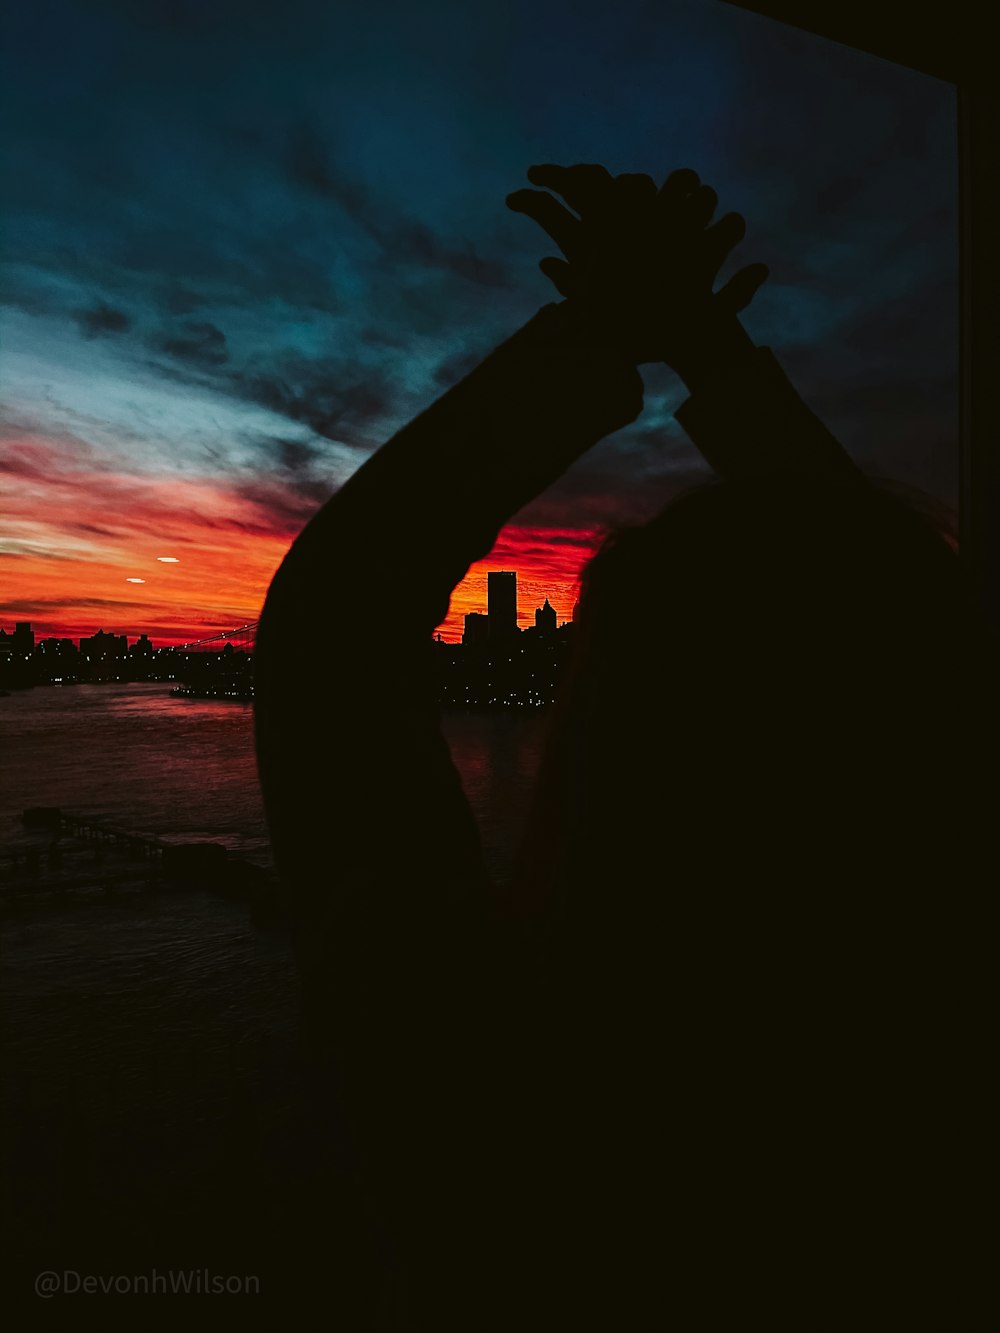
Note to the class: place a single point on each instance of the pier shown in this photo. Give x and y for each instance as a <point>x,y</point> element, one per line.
<point>67,855</point>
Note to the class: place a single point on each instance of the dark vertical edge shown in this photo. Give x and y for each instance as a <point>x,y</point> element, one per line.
<point>979,173</point>
<point>968,527</point>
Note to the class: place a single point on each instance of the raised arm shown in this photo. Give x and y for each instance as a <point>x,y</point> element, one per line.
<point>409,999</point>
<point>644,263</point>
<point>360,793</point>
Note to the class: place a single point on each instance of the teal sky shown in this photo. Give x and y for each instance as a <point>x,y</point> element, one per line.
<point>243,243</point>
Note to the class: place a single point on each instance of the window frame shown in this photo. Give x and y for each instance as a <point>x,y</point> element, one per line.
<point>945,44</point>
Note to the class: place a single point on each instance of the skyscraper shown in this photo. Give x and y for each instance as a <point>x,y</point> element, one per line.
<point>476,629</point>
<point>545,619</point>
<point>23,638</point>
<point>501,592</point>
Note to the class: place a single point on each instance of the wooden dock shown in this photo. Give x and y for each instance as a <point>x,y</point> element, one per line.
<point>71,855</point>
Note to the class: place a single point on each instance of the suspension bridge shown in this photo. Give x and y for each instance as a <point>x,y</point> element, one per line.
<point>243,640</point>
<point>219,666</point>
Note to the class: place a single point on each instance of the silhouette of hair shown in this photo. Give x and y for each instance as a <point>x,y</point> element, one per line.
<point>750,874</point>
<point>773,677</point>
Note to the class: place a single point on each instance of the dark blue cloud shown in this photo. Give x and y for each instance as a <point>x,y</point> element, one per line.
<point>299,208</point>
<point>196,340</point>
<point>101,319</point>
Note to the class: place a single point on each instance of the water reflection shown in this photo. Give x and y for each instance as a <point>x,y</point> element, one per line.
<point>185,768</point>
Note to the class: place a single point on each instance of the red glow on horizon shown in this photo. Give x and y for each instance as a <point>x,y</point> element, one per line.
<point>74,534</point>
<point>548,563</point>
<point>78,538</point>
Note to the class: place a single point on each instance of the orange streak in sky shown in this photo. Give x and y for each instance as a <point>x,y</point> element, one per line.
<point>73,533</point>
<point>545,568</point>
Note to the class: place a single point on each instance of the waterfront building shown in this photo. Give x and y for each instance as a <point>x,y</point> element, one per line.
<point>501,593</point>
<point>545,618</point>
<point>476,630</point>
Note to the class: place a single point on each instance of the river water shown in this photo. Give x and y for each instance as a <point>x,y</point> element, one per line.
<point>155,1094</point>
<point>184,769</point>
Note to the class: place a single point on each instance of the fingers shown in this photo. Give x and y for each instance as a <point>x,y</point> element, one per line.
<point>678,185</point>
<point>740,290</point>
<point>632,186</point>
<point>698,206</point>
<point>727,232</point>
<point>584,186</point>
<point>722,237</point>
<point>560,274</point>
<point>553,218</point>
<point>591,189</point>
<point>684,202</point>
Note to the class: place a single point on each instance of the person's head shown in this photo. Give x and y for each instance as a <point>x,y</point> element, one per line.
<point>773,678</point>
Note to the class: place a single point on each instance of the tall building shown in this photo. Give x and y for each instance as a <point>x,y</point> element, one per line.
<point>545,619</point>
<point>23,638</point>
<point>57,660</point>
<point>476,629</point>
<point>100,646</point>
<point>501,593</point>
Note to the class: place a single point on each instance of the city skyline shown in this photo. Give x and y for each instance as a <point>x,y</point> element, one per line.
<point>570,552</point>
<point>546,614</point>
<point>495,663</point>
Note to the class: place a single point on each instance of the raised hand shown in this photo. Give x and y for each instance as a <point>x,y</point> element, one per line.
<point>641,263</point>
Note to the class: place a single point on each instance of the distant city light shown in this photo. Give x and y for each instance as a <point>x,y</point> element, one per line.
<point>135,580</point>
<point>168,560</point>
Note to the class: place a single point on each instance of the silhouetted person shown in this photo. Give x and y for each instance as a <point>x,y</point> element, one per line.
<point>717,1052</point>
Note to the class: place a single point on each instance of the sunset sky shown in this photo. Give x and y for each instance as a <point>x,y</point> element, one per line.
<point>245,242</point>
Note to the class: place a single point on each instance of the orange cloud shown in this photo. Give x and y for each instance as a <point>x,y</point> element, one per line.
<point>76,531</point>
<point>73,536</point>
<point>547,561</point>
